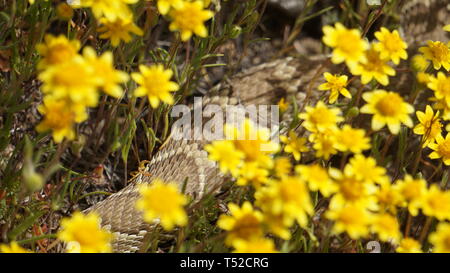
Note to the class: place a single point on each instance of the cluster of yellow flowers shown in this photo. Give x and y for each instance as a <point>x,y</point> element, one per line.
<point>162,203</point>
<point>71,83</point>
<point>116,17</point>
<point>363,199</point>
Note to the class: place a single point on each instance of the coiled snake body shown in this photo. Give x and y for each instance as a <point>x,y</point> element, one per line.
<point>185,160</point>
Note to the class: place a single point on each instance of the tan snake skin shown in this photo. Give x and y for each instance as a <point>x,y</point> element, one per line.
<point>182,161</point>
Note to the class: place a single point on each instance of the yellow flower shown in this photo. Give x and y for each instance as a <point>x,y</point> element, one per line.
<point>154,82</point>
<point>84,234</point>
<point>413,192</point>
<point>288,197</point>
<point>243,224</point>
<point>278,224</point>
<point>446,28</point>
<point>419,63</point>
<point>323,143</point>
<point>165,5</point>
<point>59,117</point>
<point>373,67</point>
<point>441,148</point>
<point>388,197</point>
<point>252,173</point>
<point>387,227</point>
<point>189,18</point>
<point>56,50</point>
<point>347,44</point>
<point>13,247</point>
<point>429,125</point>
<point>424,78</point>
<point>282,166</point>
<point>317,178</point>
<point>283,105</point>
<point>408,245</point>
<point>294,145</point>
<point>438,53</point>
<point>74,80</point>
<point>255,245</point>
<point>337,85</point>
<point>253,142</point>
<point>352,219</point>
<point>109,78</point>
<point>320,117</point>
<point>352,140</point>
<point>387,108</point>
<point>437,203</point>
<point>352,191</point>
<point>365,169</point>
<point>111,9</point>
<point>441,104</point>
<point>164,202</point>
<point>441,87</point>
<point>441,238</point>
<point>224,152</point>
<point>391,45</point>
<point>64,11</point>
<point>118,30</point>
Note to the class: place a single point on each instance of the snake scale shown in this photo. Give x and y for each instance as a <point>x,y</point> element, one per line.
<point>185,160</point>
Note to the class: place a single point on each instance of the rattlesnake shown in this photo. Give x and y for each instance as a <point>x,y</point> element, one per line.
<point>185,160</point>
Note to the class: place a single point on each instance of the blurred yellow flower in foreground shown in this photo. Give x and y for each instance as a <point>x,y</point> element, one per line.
<point>118,30</point>
<point>287,200</point>
<point>365,169</point>
<point>409,245</point>
<point>352,219</point>
<point>83,234</point>
<point>244,223</point>
<point>348,139</point>
<point>294,145</point>
<point>162,201</point>
<point>387,227</point>
<point>154,82</point>
<point>165,5</point>
<point>254,142</point>
<point>109,78</point>
<point>60,117</point>
<point>56,50</point>
<point>255,245</point>
<point>437,203</point>
<point>317,178</point>
<point>110,9</point>
<point>441,238</point>
<point>74,80</point>
<point>413,192</point>
<point>13,247</point>
<point>226,154</point>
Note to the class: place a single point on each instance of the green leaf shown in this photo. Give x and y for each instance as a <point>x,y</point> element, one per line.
<point>27,223</point>
<point>127,140</point>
